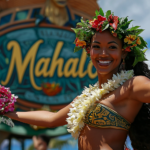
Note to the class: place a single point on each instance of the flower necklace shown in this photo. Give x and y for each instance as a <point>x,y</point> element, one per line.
<point>87,99</point>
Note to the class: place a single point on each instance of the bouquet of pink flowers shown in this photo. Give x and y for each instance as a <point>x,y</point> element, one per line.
<point>7,100</point>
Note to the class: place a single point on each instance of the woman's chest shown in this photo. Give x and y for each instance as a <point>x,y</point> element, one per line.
<point>116,102</point>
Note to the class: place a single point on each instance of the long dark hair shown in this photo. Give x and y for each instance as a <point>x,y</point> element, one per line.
<point>139,132</point>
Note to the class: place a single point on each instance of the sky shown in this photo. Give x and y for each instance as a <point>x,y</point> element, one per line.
<point>136,10</point>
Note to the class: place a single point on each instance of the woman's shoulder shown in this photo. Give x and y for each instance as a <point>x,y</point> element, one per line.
<point>136,81</point>
<point>140,88</point>
<point>139,80</point>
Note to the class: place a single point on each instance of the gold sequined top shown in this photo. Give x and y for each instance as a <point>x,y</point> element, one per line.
<point>102,116</point>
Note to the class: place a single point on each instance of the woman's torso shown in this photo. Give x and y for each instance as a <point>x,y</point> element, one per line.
<point>92,138</point>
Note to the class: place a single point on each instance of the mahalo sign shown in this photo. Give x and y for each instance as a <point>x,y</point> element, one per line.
<point>39,65</point>
<point>36,53</point>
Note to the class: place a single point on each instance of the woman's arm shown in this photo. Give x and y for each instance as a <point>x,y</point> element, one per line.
<point>41,118</point>
<point>141,89</point>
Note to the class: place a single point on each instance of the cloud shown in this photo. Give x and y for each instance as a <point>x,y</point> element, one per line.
<point>137,10</point>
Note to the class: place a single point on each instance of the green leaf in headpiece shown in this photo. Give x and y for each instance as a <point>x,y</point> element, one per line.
<point>135,61</point>
<point>143,43</point>
<point>82,24</point>
<point>133,28</point>
<point>145,50</point>
<point>108,13</point>
<point>76,49</point>
<point>139,59</point>
<point>139,31</point>
<point>76,30</point>
<point>105,27</point>
<point>122,31</point>
<point>83,21</point>
<point>101,12</point>
<point>97,13</point>
<point>139,56</point>
<point>119,36</point>
<point>126,25</point>
<point>123,20</point>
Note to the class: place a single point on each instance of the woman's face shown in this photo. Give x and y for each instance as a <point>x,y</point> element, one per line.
<point>106,52</point>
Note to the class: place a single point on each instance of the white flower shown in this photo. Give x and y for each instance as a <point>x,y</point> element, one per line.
<point>75,135</point>
<point>81,124</point>
<point>76,128</point>
<point>73,110</point>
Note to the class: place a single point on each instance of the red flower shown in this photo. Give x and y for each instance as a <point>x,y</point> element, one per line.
<point>51,89</point>
<point>88,50</point>
<point>115,34</point>
<point>113,21</point>
<point>128,49</point>
<point>97,23</point>
<point>80,43</point>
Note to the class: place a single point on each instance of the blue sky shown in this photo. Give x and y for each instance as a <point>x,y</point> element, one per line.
<point>137,10</point>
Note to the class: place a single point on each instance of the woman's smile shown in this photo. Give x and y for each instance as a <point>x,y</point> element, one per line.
<point>104,63</point>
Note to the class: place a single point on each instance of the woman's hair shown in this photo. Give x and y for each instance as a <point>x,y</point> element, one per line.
<point>140,129</point>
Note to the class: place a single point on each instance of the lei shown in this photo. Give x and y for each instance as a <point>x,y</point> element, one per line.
<point>87,99</point>
<point>134,44</point>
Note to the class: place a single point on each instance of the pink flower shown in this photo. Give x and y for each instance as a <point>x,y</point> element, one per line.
<point>7,100</point>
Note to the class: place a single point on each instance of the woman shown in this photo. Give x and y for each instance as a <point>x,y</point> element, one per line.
<point>105,113</point>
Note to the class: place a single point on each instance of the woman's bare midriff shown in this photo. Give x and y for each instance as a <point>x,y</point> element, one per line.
<point>101,139</point>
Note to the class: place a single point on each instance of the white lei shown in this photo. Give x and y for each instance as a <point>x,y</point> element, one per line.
<point>88,97</point>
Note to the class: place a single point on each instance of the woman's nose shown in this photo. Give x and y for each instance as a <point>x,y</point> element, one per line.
<point>103,52</point>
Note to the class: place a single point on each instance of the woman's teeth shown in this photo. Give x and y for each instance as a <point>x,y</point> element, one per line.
<point>104,62</point>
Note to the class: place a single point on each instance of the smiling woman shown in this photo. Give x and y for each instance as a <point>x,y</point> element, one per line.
<point>105,113</point>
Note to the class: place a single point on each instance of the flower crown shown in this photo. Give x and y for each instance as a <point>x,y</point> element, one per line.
<point>119,27</point>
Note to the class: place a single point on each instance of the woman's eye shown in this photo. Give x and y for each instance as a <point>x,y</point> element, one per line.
<point>112,47</point>
<point>95,46</point>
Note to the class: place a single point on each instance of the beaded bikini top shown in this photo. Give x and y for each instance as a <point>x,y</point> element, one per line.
<point>101,116</point>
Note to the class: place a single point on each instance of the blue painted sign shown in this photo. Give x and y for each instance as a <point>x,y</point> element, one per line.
<point>39,65</point>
